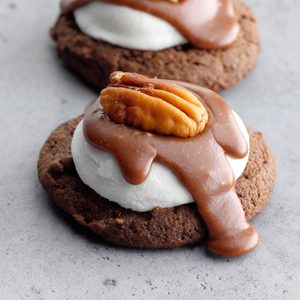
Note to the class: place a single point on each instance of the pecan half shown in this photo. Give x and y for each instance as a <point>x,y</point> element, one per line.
<point>153,105</point>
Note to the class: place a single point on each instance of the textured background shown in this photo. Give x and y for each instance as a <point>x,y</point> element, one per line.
<point>44,255</point>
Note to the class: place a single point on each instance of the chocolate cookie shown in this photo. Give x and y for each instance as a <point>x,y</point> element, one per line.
<point>94,60</point>
<point>159,228</point>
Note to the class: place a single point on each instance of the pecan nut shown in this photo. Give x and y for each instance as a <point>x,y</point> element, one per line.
<point>153,105</point>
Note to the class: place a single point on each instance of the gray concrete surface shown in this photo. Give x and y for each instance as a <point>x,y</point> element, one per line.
<point>43,255</point>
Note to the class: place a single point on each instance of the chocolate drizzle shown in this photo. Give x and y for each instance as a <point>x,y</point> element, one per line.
<point>199,162</point>
<point>205,24</point>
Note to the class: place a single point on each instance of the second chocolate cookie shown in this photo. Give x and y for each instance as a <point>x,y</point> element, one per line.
<point>217,62</point>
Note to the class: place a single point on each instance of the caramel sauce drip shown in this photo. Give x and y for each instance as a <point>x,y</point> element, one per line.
<point>199,163</point>
<point>208,24</point>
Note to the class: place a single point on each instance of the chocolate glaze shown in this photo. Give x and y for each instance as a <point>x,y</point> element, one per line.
<point>205,24</point>
<point>199,162</point>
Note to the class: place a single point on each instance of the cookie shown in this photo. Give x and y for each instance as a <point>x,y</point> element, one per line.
<point>94,60</point>
<point>159,228</point>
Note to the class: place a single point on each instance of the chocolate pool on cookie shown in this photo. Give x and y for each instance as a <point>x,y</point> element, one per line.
<point>211,43</point>
<point>160,164</point>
